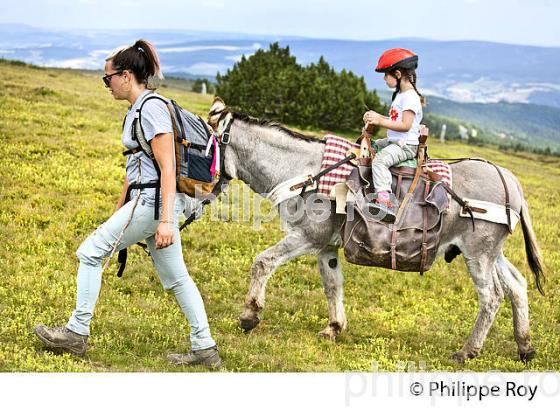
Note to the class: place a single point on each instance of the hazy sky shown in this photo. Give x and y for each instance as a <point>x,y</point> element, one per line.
<point>532,22</point>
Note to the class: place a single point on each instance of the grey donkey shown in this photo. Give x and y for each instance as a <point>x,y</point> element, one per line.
<point>264,154</point>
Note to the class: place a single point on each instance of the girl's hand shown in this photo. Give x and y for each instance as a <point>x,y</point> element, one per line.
<point>164,235</point>
<point>371,117</point>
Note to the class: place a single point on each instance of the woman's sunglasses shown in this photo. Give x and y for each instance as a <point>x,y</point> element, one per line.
<point>107,78</point>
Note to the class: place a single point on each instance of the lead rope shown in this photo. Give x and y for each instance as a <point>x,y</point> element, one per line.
<point>118,241</point>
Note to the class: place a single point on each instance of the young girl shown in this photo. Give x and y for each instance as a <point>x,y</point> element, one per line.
<point>127,72</point>
<point>402,124</point>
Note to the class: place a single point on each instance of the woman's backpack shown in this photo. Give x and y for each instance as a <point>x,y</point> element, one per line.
<point>197,152</point>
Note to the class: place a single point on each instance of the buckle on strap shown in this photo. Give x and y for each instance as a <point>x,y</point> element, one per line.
<point>131,151</point>
<point>225,138</point>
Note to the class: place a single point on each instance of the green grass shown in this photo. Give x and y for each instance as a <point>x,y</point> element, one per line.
<point>61,172</point>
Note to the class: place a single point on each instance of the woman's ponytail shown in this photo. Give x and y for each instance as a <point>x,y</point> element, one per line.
<point>147,49</point>
<point>141,58</point>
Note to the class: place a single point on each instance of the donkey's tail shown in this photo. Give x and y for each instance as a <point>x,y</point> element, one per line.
<point>534,257</point>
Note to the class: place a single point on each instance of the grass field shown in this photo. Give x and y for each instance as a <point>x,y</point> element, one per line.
<point>61,172</point>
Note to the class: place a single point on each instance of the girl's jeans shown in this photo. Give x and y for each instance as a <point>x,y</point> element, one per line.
<point>168,262</point>
<point>391,153</point>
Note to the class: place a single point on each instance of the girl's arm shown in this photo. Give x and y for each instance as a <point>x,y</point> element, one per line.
<point>162,146</point>
<point>371,117</point>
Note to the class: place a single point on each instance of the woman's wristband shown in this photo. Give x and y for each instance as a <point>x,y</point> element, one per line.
<point>168,221</point>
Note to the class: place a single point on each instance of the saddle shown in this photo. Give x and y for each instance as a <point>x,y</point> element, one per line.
<point>411,242</point>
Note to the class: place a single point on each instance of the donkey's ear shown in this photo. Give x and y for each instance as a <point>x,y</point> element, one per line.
<point>218,106</point>
<point>218,102</point>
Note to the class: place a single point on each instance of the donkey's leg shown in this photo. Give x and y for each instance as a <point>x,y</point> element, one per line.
<point>292,246</point>
<point>515,288</point>
<point>331,274</point>
<point>482,268</point>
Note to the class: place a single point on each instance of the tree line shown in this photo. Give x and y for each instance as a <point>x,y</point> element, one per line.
<point>271,84</point>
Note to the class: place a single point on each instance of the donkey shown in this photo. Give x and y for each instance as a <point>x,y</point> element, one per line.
<point>263,154</point>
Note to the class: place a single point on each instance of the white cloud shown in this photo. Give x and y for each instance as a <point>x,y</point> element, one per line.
<point>191,49</point>
<point>236,58</point>
<point>198,68</point>
<point>77,63</point>
<point>100,53</point>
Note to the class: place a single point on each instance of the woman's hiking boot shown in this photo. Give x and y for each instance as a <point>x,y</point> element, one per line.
<point>209,358</point>
<point>61,339</point>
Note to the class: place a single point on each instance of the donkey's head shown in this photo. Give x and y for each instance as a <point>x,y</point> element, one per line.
<point>219,115</point>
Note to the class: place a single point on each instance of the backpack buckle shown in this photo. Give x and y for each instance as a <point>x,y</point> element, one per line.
<point>225,138</point>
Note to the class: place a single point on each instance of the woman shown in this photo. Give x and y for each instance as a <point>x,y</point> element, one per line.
<point>126,74</point>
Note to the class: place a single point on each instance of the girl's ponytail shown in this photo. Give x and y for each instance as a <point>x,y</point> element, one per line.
<point>141,58</point>
<point>411,75</point>
<point>412,78</point>
<point>397,89</point>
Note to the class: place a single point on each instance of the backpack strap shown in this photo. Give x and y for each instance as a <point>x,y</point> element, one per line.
<point>178,116</point>
<point>138,132</point>
<point>145,147</point>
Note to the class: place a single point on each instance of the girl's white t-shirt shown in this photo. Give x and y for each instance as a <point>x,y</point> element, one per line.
<point>408,100</point>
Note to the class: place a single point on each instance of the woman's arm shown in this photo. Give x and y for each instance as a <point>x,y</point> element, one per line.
<point>162,146</point>
<point>371,117</point>
<point>120,203</point>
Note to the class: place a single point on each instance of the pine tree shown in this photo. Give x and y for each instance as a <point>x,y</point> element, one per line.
<point>271,84</point>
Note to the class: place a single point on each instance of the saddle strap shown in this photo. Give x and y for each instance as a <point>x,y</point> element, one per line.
<point>316,178</point>
<point>424,248</point>
<point>394,247</point>
<point>506,191</point>
<point>420,163</point>
<point>466,207</point>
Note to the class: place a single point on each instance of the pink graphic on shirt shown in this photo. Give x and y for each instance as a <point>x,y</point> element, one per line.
<point>393,114</point>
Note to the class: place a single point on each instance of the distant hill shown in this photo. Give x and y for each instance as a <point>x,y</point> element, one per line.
<point>464,71</point>
<point>531,124</point>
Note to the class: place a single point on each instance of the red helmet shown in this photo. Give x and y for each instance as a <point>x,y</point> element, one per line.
<point>396,58</point>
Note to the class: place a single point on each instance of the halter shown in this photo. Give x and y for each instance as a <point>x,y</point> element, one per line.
<point>223,140</point>
<point>224,136</point>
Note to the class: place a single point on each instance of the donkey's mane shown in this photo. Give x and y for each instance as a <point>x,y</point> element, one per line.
<point>271,124</point>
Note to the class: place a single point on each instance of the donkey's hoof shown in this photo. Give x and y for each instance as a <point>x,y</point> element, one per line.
<point>248,323</point>
<point>460,357</point>
<point>327,333</point>
<point>528,355</point>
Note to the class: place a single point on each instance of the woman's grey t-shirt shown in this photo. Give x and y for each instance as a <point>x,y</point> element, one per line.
<point>155,120</point>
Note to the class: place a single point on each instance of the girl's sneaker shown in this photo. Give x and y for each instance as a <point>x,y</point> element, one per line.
<point>383,208</point>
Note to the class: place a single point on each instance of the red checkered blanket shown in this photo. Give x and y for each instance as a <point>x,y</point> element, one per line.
<point>336,149</point>
<point>443,169</point>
